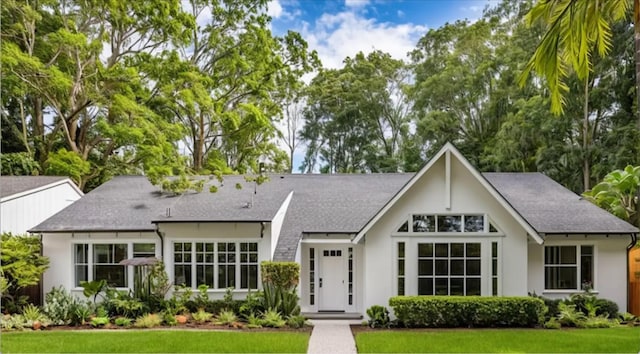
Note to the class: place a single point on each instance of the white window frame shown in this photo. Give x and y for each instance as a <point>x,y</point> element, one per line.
<point>91,259</point>
<point>216,264</point>
<point>578,246</point>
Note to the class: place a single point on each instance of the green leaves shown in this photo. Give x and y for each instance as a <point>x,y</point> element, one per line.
<point>618,194</point>
<point>574,29</point>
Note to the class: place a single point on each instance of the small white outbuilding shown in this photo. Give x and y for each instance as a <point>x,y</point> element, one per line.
<point>26,201</point>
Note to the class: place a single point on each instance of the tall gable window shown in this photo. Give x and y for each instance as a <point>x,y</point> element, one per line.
<point>568,267</point>
<point>465,223</point>
<point>219,265</point>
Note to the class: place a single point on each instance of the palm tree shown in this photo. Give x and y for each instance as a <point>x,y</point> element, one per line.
<point>575,30</point>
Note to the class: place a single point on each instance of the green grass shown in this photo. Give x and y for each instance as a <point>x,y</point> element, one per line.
<point>153,341</point>
<point>608,340</point>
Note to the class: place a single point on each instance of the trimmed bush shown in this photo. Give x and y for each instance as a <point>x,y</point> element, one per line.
<point>468,311</point>
<point>281,274</point>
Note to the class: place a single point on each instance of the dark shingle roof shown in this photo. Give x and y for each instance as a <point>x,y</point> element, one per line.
<point>10,185</point>
<point>550,208</point>
<point>320,203</point>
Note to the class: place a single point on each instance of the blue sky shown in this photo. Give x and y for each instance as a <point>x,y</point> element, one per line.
<point>341,28</point>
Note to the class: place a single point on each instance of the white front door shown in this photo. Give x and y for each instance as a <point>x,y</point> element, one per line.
<point>332,279</point>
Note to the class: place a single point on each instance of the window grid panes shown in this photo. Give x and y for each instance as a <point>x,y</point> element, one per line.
<point>494,268</point>
<point>449,268</point>
<point>248,265</point>
<point>312,275</point>
<point>226,265</point>
<point>568,267</point>
<point>144,250</point>
<point>205,264</point>
<point>350,282</point>
<point>81,261</point>
<point>468,223</point>
<point>106,259</point>
<point>182,263</point>
<point>401,260</point>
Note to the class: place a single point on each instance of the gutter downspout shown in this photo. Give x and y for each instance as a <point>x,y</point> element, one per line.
<point>634,241</point>
<point>161,236</point>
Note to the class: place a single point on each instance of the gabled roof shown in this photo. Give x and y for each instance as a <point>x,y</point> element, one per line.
<point>448,148</point>
<point>552,209</point>
<point>12,187</point>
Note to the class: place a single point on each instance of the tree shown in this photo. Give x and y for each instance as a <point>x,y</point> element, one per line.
<point>52,57</point>
<point>21,266</point>
<point>618,193</point>
<point>357,116</point>
<point>576,31</point>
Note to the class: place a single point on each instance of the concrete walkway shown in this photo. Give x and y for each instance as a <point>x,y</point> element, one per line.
<point>332,336</point>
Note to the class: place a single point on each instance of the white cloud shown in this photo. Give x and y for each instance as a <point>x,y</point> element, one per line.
<point>274,9</point>
<point>336,36</point>
<point>356,3</point>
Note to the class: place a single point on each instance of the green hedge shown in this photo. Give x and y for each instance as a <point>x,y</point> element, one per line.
<point>284,275</point>
<point>468,311</point>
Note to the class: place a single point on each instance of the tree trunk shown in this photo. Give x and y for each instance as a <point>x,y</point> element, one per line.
<point>636,26</point>
<point>586,168</point>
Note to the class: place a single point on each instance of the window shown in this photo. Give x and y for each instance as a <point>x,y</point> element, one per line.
<point>444,223</point>
<point>401,258</point>
<point>568,267</point>
<point>101,261</point>
<point>449,268</point>
<point>219,265</point>
<point>106,259</point>
<point>312,275</point>
<point>494,268</point>
<point>350,282</point>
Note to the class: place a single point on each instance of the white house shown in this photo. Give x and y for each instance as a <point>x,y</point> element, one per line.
<point>360,239</point>
<point>26,201</point>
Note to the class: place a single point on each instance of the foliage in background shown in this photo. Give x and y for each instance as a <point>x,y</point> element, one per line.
<point>21,265</point>
<point>618,193</point>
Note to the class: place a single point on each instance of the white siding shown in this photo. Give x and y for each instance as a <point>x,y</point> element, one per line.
<point>59,248</point>
<point>216,232</point>
<point>428,195</point>
<point>610,263</point>
<point>17,215</point>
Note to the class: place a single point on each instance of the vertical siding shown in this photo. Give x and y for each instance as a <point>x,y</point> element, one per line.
<point>20,214</point>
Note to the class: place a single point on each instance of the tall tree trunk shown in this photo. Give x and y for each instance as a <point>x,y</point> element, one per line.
<point>636,26</point>
<point>586,168</point>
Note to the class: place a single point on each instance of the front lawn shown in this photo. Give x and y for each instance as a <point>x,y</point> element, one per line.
<point>154,341</point>
<point>607,340</point>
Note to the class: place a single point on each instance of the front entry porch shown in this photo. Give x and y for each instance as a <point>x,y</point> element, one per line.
<point>329,278</point>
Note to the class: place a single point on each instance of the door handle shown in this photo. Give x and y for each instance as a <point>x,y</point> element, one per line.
<point>320,282</point>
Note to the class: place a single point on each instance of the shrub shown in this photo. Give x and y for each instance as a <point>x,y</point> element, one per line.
<point>253,304</point>
<point>59,306</point>
<point>378,317</point>
<point>274,319</point>
<point>570,316</point>
<point>468,311</point>
<point>281,274</point>
<point>552,324</point>
<point>253,321</point>
<point>607,307</point>
<point>551,304</point>
<point>11,322</point>
<point>148,321</point>
<point>201,316</point>
<point>122,322</point>
<point>99,321</point>
<point>296,321</point>
<point>226,318</point>
<point>21,265</point>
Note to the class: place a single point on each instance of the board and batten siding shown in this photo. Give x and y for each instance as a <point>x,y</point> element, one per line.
<point>427,196</point>
<point>21,212</point>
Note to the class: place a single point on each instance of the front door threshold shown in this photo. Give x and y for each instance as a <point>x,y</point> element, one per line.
<point>332,315</point>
